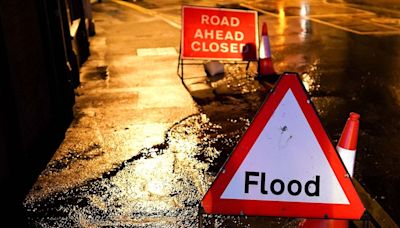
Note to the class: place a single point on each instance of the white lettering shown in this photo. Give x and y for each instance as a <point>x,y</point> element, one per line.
<point>219,47</point>
<point>215,20</point>
<point>225,21</point>
<point>198,34</point>
<point>219,35</point>
<point>204,19</point>
<point>204,47</point>
<point>228,35</point>
<point>224,47</point>
<point>195,46</point>
<point>235,21</point>
<point>214,47</point>
<point>208,34</point>
<point>234,48</point>
<point>239,36</point>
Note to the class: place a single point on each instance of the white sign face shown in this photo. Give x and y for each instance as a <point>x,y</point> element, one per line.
<point>286,163</point>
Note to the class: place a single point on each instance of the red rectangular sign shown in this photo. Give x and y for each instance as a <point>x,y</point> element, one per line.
<point>215,33</point>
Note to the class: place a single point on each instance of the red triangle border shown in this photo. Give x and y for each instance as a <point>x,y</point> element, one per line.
<point>213,204</point>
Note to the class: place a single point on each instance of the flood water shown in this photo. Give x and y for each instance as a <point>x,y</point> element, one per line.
<point>163,184</point>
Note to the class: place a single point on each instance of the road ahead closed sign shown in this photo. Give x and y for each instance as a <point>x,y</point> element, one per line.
<point>214,33</point>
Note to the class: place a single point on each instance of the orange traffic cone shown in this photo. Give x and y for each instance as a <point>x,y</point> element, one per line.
<point>347,144</point>
<point>347,151</point>
<point>265,66</point>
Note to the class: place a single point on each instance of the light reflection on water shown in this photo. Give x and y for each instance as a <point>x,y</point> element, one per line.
<point>162,188</point>
<point>305,23</point>
<point>311,78</point>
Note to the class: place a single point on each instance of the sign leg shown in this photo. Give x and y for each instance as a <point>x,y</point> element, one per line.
<point>200,215</point>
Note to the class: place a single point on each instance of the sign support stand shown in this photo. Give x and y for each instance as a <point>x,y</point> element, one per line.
<point>200,215</point>
<point>180,68</point>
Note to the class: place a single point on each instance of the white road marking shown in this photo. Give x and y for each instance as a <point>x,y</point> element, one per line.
<point>174,21</point>
<point>317,19</point>
<point>156,51</point>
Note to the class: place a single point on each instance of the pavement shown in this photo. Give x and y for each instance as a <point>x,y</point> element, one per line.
<point>130,95</point>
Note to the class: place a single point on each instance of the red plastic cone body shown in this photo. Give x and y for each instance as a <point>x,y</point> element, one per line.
<point>348,139</point>
<point>265,66</point>
<point>348,142</point>
<point>264,31</point>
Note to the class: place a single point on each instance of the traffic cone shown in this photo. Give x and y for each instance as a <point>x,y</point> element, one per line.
<point>346,148</point>
<point>265,65</point>
<point>347,144</point>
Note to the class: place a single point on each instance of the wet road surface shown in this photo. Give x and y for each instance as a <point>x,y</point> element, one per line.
<point>346,66</point>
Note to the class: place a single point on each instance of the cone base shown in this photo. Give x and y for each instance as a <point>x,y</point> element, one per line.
<point>266,67</point>
<point>266,70</point>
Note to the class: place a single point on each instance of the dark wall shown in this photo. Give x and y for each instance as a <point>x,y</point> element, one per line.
<point>36,92</point>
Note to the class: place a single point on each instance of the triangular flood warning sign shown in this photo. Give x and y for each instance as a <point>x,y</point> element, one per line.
<point>285,165</point>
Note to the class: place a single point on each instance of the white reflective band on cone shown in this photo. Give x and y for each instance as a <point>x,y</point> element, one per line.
<point>348,158</point>
<point>265,51</point>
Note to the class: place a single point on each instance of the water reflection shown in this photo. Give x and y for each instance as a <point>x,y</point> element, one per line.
<point>311,78</point>
<point>280,38</point>
<point>304,10</point>
<point>304,22</point>
<point>282,19</point>
<point>160,187</point>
